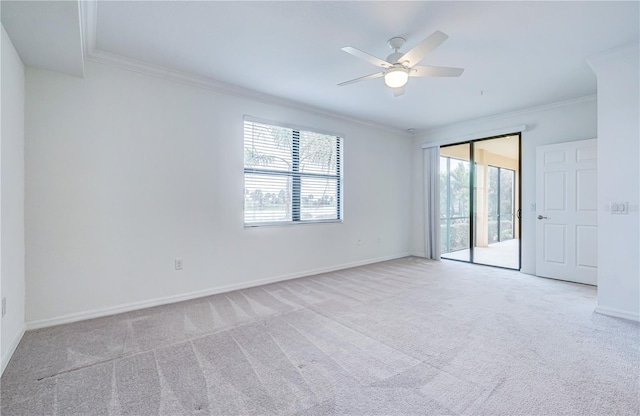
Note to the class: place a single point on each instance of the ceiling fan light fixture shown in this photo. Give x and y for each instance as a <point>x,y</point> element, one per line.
<point>399,66</point>
<point>396,77</point>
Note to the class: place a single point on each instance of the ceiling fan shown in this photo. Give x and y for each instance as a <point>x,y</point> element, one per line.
<point>398,66</point>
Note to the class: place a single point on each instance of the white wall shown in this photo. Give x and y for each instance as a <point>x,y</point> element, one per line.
<point>126,172</point>
<point>618,180</point>
<point>12,250</point>
<point>561,122</point>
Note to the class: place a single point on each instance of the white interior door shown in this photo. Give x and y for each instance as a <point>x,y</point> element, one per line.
<point>567,211</point>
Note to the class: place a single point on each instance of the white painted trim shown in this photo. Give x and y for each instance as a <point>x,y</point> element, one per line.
<point>12,348</point>
<point>417,254</point>
<point>167,74</point>
<point>423,134</point>
<point>98,313</point>
<point>88,19</point>
<point>88,15</point>
<point>630,50</point>
<point>476,136</point>
<point>617,313</point>
<point>82,37</point>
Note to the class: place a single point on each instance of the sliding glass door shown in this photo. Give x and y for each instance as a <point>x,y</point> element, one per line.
<point>455,202</point>
<point>501,201</point>
<point>480,201</point>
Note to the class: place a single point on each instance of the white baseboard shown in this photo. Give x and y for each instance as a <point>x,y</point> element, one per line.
<point>98,313</point>
<point>617,313</point>
<point>417,254</point>
<point>12,348</point>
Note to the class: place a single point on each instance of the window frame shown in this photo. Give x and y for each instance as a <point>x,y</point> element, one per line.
<point>296,175</point>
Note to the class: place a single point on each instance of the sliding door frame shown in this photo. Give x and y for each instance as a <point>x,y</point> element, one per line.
<point>472,201</point>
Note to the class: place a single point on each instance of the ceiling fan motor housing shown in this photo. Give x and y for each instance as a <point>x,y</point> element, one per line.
<point>395,44</point>
<point>394,57</point>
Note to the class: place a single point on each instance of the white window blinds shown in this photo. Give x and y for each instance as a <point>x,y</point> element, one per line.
<point>291,175</point>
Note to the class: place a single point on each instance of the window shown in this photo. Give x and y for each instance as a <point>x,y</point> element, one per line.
<point>291,175</point>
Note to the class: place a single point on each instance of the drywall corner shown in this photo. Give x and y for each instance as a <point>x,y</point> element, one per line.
<point>12,249</point>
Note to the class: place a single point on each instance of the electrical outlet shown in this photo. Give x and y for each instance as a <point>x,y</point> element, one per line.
<point>178,264</point>
<point>4,307</point>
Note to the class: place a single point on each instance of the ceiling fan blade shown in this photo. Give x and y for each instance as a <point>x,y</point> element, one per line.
<point>365,56</point>
<point>435,71</point>
<point>415,55</point>
<point>397,92</point>
<point>366,77</point>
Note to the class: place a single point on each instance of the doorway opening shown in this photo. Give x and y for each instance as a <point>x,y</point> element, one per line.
<point>480,201</point>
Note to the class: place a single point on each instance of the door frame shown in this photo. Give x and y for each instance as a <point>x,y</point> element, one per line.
<point>517,189</point>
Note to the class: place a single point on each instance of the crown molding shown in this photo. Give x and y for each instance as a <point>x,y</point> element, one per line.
<point>192,80</point>
<point>530,110</point>
<point>89,10</point>
<point>630,50</point>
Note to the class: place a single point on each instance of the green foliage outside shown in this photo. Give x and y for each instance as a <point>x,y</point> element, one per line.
<point>454,204</point>
<point>316,154</point>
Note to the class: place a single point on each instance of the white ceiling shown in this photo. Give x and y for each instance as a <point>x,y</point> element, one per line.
<point>521,54</point>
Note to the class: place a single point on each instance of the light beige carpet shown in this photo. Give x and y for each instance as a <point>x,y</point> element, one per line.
<point>403,337</point>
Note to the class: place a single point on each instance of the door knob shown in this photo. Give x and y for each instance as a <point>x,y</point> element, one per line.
<point>540,217</point>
